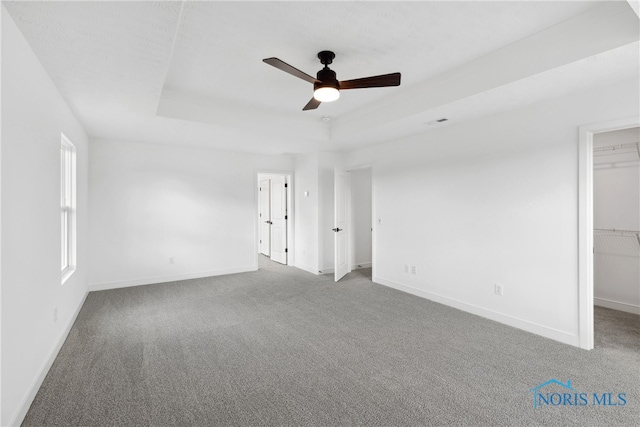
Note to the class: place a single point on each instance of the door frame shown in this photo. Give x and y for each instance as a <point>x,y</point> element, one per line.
<point>585,223</point>
<point>262,241</point>
<point>341,205</point>
<point>290,214</point>
<point>373,216</point>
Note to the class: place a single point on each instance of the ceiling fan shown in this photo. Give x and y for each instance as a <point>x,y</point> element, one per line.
<point>326,87</point>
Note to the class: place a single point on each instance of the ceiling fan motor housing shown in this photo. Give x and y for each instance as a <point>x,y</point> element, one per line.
<point>327,78</point>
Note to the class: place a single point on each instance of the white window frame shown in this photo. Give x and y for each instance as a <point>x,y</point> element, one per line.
<point>67,207</point>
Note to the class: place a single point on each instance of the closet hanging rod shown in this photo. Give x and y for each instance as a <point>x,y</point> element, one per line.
<point>616,230</point>
<point>616,147</point>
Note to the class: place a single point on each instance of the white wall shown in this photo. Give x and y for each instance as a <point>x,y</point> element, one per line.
<point>491,201</point>
<point>616,204</point>
<point>327,163</point>
<point>360,209</point>
<point>33,116</point>
<point>306,212</point>
<point>314,173</point>
<point>2,12</point>
<point>326,220</point>
<point>150,203</point>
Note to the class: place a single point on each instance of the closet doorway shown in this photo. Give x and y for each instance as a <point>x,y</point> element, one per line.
<point>601,149</point>
<point>616,237</point>
<point>616,219</point>
<point>361,220</point>
<point>274,216</point>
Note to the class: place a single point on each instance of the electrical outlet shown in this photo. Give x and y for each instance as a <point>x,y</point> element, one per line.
<point>55,314</point>
<point>414,269</point>
<point>171,260</point>
<point>498,289</point>
<point>406,268</point>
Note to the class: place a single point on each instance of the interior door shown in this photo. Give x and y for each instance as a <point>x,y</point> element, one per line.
<point>341,252</point>
<point>279,219</point>
<point>265,217</point>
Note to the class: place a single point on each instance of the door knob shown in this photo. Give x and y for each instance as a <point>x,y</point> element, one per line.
<point>336,229</point>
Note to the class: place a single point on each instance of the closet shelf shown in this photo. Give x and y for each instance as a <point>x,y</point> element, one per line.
<point>632,147</point>
<point>616,232</point>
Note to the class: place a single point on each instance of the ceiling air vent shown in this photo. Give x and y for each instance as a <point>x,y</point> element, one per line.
<point>435,122</point>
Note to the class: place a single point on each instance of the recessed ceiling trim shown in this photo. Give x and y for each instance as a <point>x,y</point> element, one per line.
<point>177,105</point>
<point>173,46</point>
<point>594,31</point>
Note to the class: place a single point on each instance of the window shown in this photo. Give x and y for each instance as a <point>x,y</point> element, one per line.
<point>68,207</point>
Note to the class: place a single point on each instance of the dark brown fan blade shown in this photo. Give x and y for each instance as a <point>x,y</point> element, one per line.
<point>280,65</point>
<point>384,80</point>
<point>311,105</point>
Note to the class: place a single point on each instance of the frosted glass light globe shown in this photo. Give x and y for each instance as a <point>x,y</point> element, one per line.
<point>326,94</point>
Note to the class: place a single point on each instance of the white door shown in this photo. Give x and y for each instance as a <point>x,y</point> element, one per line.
<point>265,217</point>
<point>341,252</point>
<point>279,219</point>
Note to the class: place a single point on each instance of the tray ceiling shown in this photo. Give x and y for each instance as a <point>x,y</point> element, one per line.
<point>192,72</point>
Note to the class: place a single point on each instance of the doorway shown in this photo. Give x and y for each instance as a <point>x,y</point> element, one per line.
<point>361,220</point>
<point>586,229</point>
<point>274,217</point>
<point>616,237</point>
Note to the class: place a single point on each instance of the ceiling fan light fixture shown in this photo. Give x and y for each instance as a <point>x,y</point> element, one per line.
<point>326,94</point>
<point>326,86</point>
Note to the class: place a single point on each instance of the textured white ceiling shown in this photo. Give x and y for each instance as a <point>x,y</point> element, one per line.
<point>102,54</point>
<point>192,72</point>
<point>605,69</point>
<point>219,45</point>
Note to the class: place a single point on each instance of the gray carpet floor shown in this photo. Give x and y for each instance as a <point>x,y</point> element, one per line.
<point>281,347</point>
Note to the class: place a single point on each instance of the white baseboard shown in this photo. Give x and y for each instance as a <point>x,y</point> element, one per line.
<point>44,369</point>
<point>164,279</point>
<point>545,331</point>
<point>328,270</point>
<point>616,305</point>
<point>306,268</point>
